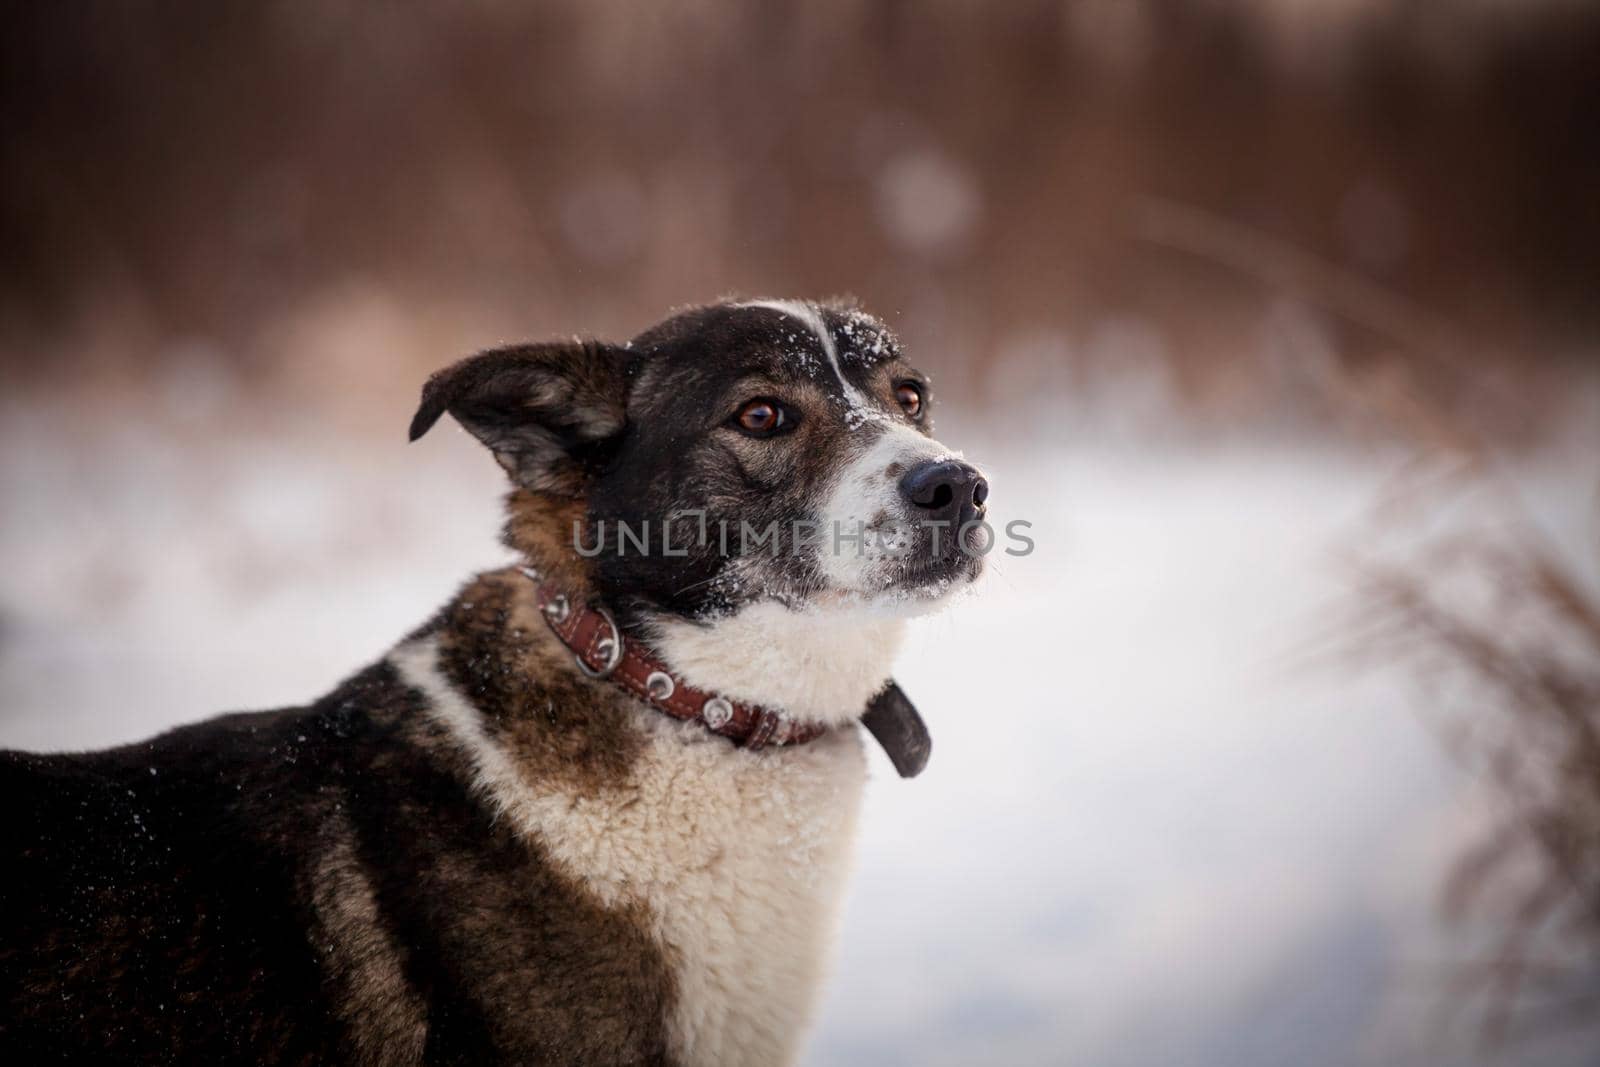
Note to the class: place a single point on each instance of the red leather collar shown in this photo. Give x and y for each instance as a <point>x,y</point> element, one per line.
<point>602,651</point>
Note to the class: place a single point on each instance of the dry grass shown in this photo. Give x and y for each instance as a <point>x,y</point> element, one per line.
<point>1507,640</point>
<point>1457,583</point>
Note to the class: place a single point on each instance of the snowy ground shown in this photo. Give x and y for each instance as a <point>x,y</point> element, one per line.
<point>1154,830</point>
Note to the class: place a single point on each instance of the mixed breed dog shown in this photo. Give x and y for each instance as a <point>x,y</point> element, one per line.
<point>598,809</point>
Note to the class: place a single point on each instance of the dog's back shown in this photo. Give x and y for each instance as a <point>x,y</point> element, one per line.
<point>310,885</point>
<point>149,899</point>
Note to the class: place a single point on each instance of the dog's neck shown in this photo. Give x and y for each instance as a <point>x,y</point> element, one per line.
<point>818,665</point>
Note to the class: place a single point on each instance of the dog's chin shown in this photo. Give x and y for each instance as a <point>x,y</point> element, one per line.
<point>917,587</point>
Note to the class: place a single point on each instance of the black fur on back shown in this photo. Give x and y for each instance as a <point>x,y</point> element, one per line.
<point>312,885</point>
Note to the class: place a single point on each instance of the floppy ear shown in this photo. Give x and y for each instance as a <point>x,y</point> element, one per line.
<point>548,412</point>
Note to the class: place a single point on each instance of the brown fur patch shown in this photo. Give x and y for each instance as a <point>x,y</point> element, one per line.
<point>557,725</point>
<point>540,527</point>
<point>385,1017</point>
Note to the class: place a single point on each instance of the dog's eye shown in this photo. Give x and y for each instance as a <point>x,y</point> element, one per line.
<point>763,418</point>
<point>910,396</point>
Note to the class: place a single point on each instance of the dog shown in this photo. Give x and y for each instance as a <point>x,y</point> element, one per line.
<point>599,809</point>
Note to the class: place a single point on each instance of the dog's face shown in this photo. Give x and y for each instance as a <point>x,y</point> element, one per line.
<point>735,453</point>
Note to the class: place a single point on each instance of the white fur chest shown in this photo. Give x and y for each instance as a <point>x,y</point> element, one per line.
<point>742,859</point>
<point>739,858</point>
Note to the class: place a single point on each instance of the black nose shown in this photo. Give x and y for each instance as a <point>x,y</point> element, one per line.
<point>946,490</point>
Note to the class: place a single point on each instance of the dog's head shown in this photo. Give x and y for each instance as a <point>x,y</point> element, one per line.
<point>740,452</point>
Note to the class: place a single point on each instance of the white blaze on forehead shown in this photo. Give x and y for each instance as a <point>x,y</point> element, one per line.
<point>812,318</point>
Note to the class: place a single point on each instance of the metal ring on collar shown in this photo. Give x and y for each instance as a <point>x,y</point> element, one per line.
<point>660,685</point>
<point>611,646</point>
<point>557,610</point>
<point>716,712</point>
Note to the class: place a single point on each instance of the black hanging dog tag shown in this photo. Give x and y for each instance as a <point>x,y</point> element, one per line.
<point>894,721</point>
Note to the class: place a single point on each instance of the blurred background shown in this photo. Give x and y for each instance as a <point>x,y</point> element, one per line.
<point>1277,318</point>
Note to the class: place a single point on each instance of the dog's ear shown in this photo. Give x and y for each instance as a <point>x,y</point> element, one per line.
<point>548,412</point>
